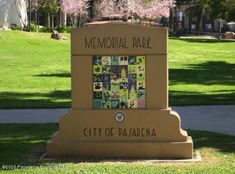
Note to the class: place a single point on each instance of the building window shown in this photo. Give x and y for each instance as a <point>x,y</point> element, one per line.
<point>118,82</point>
<point>208,27</point>
<point>179,16</point>
<point>193,27</point>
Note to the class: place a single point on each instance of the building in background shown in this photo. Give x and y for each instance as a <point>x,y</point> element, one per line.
<point>182,20</point>
<point>12,12</point>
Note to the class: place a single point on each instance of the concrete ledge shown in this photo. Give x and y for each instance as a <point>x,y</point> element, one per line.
<point>196,159</point>
<point>142,150</point>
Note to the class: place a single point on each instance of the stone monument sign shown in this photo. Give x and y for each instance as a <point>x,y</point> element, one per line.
<point>120,96</point>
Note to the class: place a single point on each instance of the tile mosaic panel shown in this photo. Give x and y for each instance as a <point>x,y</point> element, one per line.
<point>118,82</point>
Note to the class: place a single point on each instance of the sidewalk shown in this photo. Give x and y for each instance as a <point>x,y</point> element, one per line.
<point>219,118</point>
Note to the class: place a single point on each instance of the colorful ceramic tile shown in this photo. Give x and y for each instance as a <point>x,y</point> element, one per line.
<point>114,104</point>
<point>140,60</point>
<point>140,85</point>
<point>123,85</point>
<point>106,60</point>
<point>132,78</point>
<point>141,94</point>
<point>140,77</point>
<point>114,75</point>
<point>132,92</point>
<point>132,69</point>
<point>132,60</point>
<point>97,78</point>
<point>123,93</point>
<point>97,95</point>
<point>106,77</point>
<point>97,69</point>
<point>115,69</point>
<point>115,86</point>
<point>123,103</point>
<point>123,80</point>
<point>106,94</point>
<point>115,95</point>
<point>123,60</point>
<point>132,103</point>
<point>140,69</point>
<point>97,60</point>
<point>98,104</point>
<point>118,82</point>
<point>97,86</point>
<point>114,60</point>
<point>141,103</point>
<point>106,69</point>
<point>106,104</point>
<point>123,71</point>
<point>106,86</point>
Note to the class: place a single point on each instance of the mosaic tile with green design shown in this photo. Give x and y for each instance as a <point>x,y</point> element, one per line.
<point>118,82</point>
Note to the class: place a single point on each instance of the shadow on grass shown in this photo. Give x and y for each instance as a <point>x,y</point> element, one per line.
<point>222,142</point>
<point>63,74</point>
<point>182,98</point>
<point>25,143</point>
<point>208,73</point>
<point>35,100</point>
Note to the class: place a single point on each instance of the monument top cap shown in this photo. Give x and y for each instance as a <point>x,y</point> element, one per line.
<point>119,38</point>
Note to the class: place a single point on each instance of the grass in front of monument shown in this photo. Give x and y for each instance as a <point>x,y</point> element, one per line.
<point>21,145</point>
<point>35,71</point>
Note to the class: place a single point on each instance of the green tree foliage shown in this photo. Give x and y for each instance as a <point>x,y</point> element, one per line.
<point>181,2</point>
<point>229,13</point>
<point>50,7</point>
<point>224,9</point>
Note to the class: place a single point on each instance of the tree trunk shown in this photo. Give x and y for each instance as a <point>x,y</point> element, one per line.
<point>199,19</point>
<point>58,19</point>
<point>75,21</point>
<point>48,20</point>
<point>91,9</point>
<point>64,20</point>
<point>36,18</point>
<point>29,18</point>
<point>52,21</point>
<point>171,19</point>
<point>80,20</point>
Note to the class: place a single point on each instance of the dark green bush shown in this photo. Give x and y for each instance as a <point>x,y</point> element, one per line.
<point>176,33</point>
<point>63,29</point>
<point>16,27</point>
<point>59,29</point>
<point>45,30</point>
<point>171,33</point>
<point>34,27</point>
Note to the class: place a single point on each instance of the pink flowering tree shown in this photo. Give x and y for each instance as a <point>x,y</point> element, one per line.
<point>155,8</point>
<point>112,7</point>
<point>143,9</point>
<point>75,9</point>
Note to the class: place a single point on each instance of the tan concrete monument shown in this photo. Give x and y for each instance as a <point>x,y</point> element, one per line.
<point>120,97</point>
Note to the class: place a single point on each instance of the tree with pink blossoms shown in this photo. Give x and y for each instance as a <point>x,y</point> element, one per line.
<point>144,9</point>
<point>75,9</point>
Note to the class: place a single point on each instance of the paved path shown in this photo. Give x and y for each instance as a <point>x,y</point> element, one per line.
<point>219,118</point>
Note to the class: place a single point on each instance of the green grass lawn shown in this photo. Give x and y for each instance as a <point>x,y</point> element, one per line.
<point>35,71</point>
<point>23,144</point>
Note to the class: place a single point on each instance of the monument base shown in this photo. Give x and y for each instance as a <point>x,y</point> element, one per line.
<point>148,134</point>
<point>143,150</point>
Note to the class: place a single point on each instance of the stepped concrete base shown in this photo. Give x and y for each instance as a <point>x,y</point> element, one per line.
<point>148,134</point>
<point>164,150</point>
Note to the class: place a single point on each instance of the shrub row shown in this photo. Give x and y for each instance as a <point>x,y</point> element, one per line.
<point>34,28</point>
